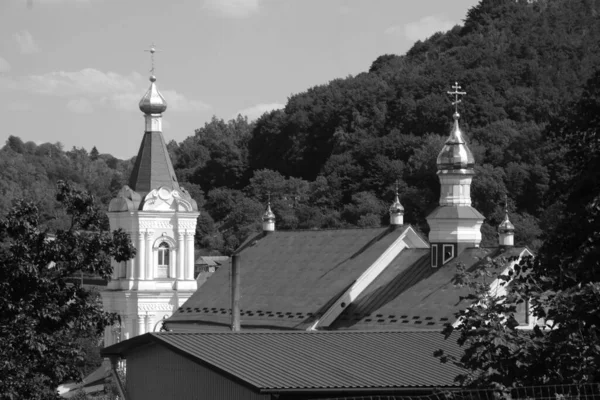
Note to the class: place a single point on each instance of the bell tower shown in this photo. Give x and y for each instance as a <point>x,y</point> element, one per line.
<point>455,224</point>
<point>160,217</point>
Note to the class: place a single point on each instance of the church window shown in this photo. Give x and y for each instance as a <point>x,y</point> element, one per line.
<point>448,252</point>
<point>163,260</point>
<point>434,256</point>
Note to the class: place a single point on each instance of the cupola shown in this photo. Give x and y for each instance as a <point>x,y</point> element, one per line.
<point>454,224</point>
<point>396,211</point>
<point>153,102</point>
<point>268,219</point>
<point>506,231</point>
<point>455,154</point>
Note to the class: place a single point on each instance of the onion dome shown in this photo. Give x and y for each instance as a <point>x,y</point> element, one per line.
<point>153,102</point>
<point>455,154</point>
<point>268,216</point>
<point>506,226</point>
<point>396,207</point>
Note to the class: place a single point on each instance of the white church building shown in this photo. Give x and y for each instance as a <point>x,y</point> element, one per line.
<point>160,218</point>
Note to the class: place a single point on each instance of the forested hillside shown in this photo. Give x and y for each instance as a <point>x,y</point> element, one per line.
<point>331,157</point>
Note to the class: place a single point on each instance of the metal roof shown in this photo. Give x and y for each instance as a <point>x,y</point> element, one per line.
<point>288,278</point>
<point>272,361</point>
<point>411,294</point>
<point>153,167</point>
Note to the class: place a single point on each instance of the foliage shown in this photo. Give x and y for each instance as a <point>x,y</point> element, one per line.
<point>562,284</point>
<point>43,313</point>
<point>519,61</point>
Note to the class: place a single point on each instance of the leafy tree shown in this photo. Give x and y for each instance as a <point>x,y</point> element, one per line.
<point>43,313</point>
<point>562,284</point>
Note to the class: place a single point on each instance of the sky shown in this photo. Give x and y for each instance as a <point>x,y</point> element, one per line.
<point>73,71</point>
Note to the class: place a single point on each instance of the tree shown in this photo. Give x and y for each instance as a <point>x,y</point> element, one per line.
<point>94,154</point>
<point>43,313</point>
<point>562,284</point>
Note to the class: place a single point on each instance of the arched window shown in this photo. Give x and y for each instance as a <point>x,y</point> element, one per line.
<point>164,260</point>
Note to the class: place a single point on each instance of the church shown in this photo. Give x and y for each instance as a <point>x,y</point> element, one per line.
<point>160,218</point>
<point>335,310</point>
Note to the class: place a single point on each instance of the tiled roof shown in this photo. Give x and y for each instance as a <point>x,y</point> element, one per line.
<point>411,294</point>
<point>152,168</point>
<point>289,278</point>
<point>272,361</point>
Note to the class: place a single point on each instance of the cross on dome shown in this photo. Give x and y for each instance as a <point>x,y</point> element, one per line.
<point>152,50</point>
<point>456,93</point>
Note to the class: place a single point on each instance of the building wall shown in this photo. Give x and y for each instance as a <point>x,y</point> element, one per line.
<point>155,372</point>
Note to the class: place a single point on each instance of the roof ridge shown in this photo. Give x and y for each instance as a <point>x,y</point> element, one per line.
<point>301,332</point>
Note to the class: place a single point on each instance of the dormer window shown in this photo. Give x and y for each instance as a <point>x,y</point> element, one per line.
<point>164,259</point>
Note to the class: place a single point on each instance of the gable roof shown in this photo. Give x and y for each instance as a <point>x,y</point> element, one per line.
<point>411,294</point>
<point>289,278</point>
<point>296,361</point>
<point>153,167</point>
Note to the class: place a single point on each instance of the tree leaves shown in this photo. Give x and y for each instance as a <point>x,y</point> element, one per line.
<point>43,313</point>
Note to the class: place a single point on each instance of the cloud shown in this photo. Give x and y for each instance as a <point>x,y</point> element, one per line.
<point>421,29</point>
<point>178,102</point>
<point>32,3</point>
<point>88,81</point>
<point>233,8</point>
<point>4,65</point>
<point>256,111</point>
<point>19,105</point>
<point>90,86</point>
<point>26,43</point>
<point>80,106</point>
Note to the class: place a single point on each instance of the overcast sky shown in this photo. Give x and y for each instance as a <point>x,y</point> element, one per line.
<point>74,70</point>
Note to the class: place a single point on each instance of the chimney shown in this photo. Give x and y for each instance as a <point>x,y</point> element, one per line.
<point>235,293</point>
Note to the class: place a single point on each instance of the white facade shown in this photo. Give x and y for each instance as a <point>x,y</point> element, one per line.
<point>160,218</point>
<point>160,278</point>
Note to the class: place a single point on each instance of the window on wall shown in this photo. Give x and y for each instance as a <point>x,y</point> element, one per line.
<point>448,252</point>
<point>163,260</point>
<point>434,256</point>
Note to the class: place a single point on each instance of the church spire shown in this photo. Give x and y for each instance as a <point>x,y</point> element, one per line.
<point>396,210</point>
<point>268,218</point>
<point>455,225</point>
<point>153,167</point>
<point>506,230</point>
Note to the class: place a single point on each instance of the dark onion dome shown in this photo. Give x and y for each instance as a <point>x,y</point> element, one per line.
<point>506,226</point>
<point>396,207</point>
<point>268,216</point>
<point>455,154</point>
<point>153,102</point>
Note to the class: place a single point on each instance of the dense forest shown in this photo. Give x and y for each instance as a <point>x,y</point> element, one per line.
<point>331,157</point>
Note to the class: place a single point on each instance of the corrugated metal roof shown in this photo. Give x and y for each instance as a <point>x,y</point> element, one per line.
<point>315,360</point>
<point>411,294</point>
<point>288,278</point>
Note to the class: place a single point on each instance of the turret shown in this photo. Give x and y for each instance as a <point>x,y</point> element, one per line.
<point>455,225</point>
<point>268,219</point>
<point>396,211</point>
<point>506,230</point>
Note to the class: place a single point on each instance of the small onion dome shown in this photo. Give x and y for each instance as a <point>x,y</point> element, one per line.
<point>396,207</point>
<point>455,154</point>
<point>506,226</point>
<point>153,102</point>
<point>268,216</point>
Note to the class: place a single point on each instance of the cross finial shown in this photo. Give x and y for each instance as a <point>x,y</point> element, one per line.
<point>456,93</point>
<point>397,185</point>
<point>152,50</point>
<point>269,198</point>
<point>506,203</point>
